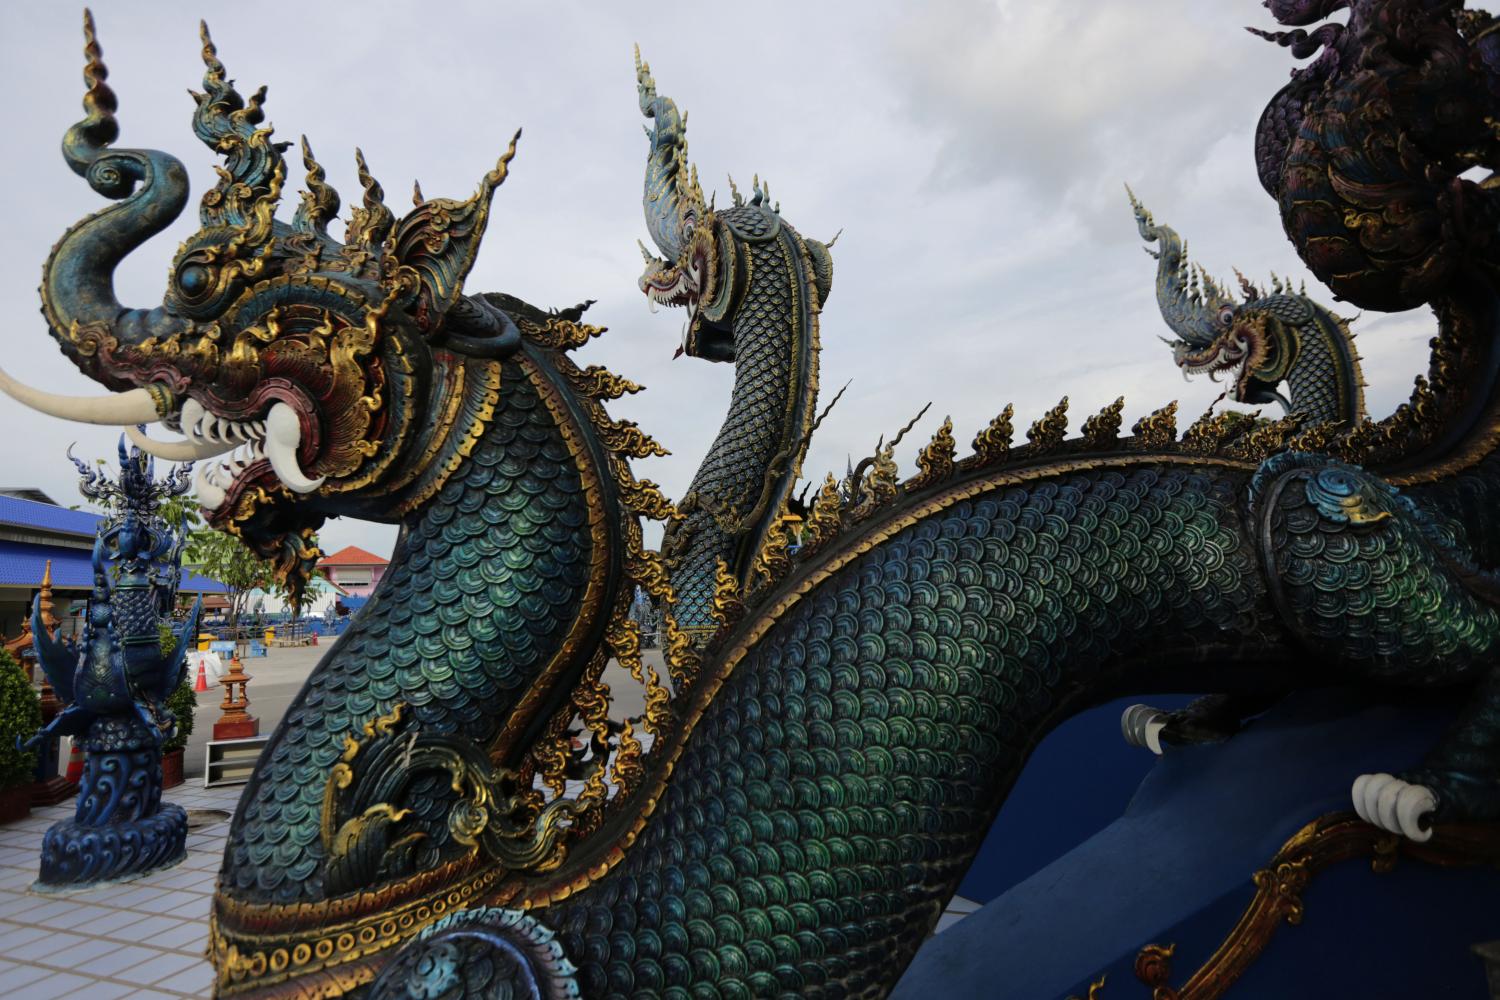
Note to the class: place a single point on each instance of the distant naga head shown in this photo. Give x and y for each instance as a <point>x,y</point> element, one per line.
<point>703,267</point>
<point>1250,341</point>
<point>300,364</point>
<point>682,225</point>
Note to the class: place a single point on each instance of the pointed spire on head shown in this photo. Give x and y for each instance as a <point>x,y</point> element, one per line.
<point>371,223</point>
<point>250,180</point>
<point>673,199</point>
<point>85,140</point>
<point>320,202</point>
<point>436,244</point>
<point>1189,299</point>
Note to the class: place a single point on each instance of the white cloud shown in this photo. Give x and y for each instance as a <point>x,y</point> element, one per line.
<point>973,153</point>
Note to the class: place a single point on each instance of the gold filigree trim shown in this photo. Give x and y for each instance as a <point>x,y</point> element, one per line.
<point>1279,886</point>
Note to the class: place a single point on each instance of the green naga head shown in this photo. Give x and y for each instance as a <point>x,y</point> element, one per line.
<point>702,267</point>
<point>302,366</point>
<point>1254,341</point>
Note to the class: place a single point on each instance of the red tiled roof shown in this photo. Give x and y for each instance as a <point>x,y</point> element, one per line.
<point>353,555</point>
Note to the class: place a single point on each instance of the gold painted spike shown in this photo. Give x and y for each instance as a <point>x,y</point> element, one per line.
<point>560,334</point>
<point>320,202</point>
<point>1212,431</point>
<point>1264,439</point>
<point>625,438</point>
<point>1157,430</point>
<point>993,443</point>
<point>646,499</point>
<point>879,486</point>
<point>371,222</point>
<point>1048,432</point>
<point>677,650</point>
<point>825,518</point>
<point>626,769</point>
<point>728,608</point>
<point>935,461</point>
<point>772,561</point>
<point>598,382</point>
<point>1316,437</point>
<point>1102,430</point>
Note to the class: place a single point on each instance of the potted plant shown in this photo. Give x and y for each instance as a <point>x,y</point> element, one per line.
<point>182,702</point>
<point>20,718</point>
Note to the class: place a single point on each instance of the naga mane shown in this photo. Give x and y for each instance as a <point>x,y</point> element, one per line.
<point>827,763</point>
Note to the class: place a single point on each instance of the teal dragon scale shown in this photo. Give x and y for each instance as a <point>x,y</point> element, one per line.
<point>826,764</point>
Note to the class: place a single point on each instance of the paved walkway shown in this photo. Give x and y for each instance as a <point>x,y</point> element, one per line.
<point>147,939</point>
<point>144,939</point>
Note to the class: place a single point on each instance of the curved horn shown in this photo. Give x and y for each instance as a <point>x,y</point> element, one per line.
<point>134,406</point>
<point>1189,300</point>
<point>672,193</point>
<point>151,188</point>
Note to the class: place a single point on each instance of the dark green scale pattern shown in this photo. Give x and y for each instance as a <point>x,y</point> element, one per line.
<point>1380,595</point>
<point>837,786</point>
<point>734,468</point>
<point>1320,383</point>
<point>487,580</point>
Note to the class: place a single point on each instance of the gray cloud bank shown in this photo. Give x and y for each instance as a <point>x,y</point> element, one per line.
<point>972,151</point>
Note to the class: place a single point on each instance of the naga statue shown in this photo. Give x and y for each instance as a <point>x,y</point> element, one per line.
<point>826,764</point>
<point>1260,343</point>
<point>115,685</point>
<point>753,288</point>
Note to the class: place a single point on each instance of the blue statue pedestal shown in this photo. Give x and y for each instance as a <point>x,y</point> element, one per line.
<point>1176,871</point>
<point>121,830</point>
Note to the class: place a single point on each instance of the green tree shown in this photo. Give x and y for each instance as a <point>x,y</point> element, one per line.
<point>221,556</point>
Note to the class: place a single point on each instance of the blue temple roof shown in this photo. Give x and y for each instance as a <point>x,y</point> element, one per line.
<point>21,565</point>
<point>47,517</point>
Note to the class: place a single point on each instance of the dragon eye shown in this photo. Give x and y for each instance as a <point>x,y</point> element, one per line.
<point>193,280</point>
<point>1226,315</point>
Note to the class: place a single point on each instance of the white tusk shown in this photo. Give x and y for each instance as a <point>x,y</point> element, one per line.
<point>283,435</point>
<point>134,406</point>
<point>174,451</point>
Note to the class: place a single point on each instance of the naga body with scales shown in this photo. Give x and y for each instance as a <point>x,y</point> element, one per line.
<point>830,760</point>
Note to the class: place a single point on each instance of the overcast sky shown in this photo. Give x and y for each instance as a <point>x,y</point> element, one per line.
<point>972,151</point>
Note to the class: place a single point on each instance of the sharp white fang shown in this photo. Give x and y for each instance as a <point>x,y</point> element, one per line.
<point>175,451</point>
<point>192,415</point>
<point>210,494</point>
<point>283,436</point>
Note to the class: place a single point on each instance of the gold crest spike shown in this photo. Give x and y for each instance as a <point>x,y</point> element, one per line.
<point>1158,429</point>
<point>1102,430</point>
<point>1048,432</point>
<point>727,605</point>
<point>935,460</point>
<point>993,443</point>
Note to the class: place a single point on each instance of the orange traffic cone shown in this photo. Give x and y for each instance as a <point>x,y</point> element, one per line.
<point>201,684</point>
<point>75,763</point>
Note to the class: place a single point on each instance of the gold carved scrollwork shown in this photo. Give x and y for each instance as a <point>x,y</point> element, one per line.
<point>1279,887</point>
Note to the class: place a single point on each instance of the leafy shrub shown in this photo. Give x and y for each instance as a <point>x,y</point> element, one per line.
<point>181,701</point>
<point>20,716</point>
